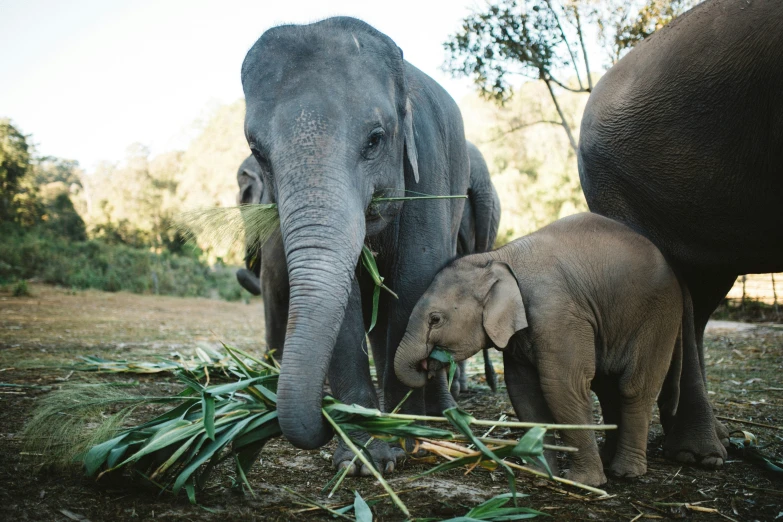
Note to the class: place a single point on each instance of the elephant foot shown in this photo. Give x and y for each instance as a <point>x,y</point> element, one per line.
<point>590,477</point>
<point>693,443</point>
<point>628,469</point>
<point>384,457</point>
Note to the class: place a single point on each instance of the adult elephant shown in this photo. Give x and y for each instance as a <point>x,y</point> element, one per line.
<point>682,140</point>
<point>334,117</point>
<point>266,274</point>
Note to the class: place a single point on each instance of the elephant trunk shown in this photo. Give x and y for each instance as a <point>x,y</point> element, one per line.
<point>323,230</point>
<point>412,351</point>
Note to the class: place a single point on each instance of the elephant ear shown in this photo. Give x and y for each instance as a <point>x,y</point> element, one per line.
<point>251,188</point>
<point>504,311</point>
<point>411,156</point>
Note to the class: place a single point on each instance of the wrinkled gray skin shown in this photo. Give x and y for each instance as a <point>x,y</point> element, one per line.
<point>335,116</point>
<point>584,303</point>
<point>477,233</point>
<point>682,141</point>
<point>266,273</point>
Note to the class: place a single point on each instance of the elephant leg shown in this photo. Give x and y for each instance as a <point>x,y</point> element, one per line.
<point>489,371</point>
<point>694,437</point>
<point>275,318</point>
<point>606,390</point>
<point>566,366</point>
<point>351,383</point>
<point>630,458</point>
<point>460,382</point>
<point>524,391</point>
<point>438,396</point>
<point>707,291</point>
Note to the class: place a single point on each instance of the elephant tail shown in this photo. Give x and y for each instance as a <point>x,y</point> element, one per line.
<point>489,371</point>
<point>669,398</point>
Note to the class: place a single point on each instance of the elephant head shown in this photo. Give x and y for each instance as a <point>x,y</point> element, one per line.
<point>330,123</point>
<point>251,190</point>
<point>472,304</point>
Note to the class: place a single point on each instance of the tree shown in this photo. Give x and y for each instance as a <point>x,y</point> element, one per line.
<point>545,40</point>
<point>15,165</point>
<point>536,39</point>
<point>50,169</point>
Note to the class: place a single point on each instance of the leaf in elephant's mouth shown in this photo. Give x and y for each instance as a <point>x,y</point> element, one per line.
<point>253,224</point>
<point>440,358</point>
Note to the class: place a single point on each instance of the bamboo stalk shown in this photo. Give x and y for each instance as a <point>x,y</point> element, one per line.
<point>375,473</point>
<point>558,479</point>
<point>410,198</point>
<point>507,424</point>
<point>751,423</point>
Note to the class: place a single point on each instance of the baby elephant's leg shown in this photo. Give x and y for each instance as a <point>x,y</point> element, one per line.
<point>566,366</point>
<point>630,458</point>
<point>524,391</point>
<point>638,388</point>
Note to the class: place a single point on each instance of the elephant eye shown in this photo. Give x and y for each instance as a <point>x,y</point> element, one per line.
<point>261,158</point>
<point>373,144</point>
<point>436,319</point>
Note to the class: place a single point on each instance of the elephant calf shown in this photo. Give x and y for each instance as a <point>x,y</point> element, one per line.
<point>583,303</point>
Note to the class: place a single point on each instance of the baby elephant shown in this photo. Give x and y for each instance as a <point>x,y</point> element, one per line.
<point>583,303</point>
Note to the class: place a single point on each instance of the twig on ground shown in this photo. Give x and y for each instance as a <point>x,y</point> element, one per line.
<point>750,423</point>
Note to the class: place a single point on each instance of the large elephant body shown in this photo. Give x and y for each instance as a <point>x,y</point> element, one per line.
<point>335,116</point>
<point>682,140</point>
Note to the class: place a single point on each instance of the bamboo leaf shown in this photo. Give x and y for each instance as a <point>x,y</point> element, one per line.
<point>207,452</point>
<point>376,295</point>
<point>461,420</point>
<point>208,407</point>
<point>361,509</point>
<point>95,458</point>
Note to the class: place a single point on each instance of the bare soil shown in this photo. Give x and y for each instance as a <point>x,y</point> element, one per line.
<point>39,335</point>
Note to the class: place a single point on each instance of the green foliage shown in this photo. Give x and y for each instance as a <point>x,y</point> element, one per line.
<point>534,38</point>
<point>21,289</point>
<point>495,510</point>
<point>14,166</point>
<point>37,253</point>
<point>446,358</point>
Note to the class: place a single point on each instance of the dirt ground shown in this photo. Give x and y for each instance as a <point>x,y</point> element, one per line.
<point>41,334</point>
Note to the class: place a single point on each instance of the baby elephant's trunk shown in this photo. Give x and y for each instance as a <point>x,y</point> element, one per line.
<point>407,363</point>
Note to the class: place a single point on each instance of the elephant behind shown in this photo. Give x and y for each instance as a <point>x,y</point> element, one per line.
<point>681,140</point>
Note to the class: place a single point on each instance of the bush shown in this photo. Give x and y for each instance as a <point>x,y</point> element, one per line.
<point>21,290</point>
<point>36,253</point>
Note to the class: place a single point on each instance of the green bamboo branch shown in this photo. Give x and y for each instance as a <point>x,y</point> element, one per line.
<point>363,458</point>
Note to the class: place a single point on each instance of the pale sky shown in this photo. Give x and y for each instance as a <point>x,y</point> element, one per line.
<point>89,77</point>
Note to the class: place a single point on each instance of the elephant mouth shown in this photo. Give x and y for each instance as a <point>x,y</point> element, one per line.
<point>431,366</point>
<point>379,213</point>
